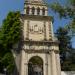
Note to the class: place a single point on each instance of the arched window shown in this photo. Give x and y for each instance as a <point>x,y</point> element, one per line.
<point>27,10</point>
<point>43,11</point>
<point>38,11</point>
<point>33,10</point>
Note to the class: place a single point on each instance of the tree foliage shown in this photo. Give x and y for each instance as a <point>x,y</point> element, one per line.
<point>66,11</point>
<point>11,27</point>
<point>65,44</point>
<point>66,51</point>
<point>64,35</point>
<point>9,35</point>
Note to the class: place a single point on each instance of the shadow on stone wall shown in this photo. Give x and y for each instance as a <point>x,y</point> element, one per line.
<point>15,72</point>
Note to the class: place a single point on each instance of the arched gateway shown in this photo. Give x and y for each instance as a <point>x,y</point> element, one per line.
<point>35,66</point>
<point>39,51</point>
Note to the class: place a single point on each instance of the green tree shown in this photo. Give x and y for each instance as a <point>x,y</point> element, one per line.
<point>64,47</point>
<point>9,35</point>
<point>66,11</point>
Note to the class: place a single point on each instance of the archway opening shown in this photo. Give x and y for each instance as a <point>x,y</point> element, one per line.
<point>27,10</point>
<point>43,11</point>
<point>35,66</point>
<point>33,10</point>
<point>38,11</point>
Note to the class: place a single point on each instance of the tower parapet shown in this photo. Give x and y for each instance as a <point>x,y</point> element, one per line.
<point>35,7</point>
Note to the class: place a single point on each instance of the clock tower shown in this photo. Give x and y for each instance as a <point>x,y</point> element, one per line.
<point>39,54</point>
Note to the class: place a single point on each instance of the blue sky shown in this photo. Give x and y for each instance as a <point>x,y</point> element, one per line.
<point>13,5</point>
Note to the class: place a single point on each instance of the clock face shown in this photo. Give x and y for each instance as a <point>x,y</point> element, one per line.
<point>36,30</point>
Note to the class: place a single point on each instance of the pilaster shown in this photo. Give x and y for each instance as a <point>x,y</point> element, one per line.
<point>22,63</point>
<point>54,69</point>
<point>58,64</point>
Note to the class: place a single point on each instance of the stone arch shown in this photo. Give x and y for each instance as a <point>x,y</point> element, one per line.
<point>35,66</point>
<point>27,10</point>
<point>33,10</point>
<point>38,11</point>
<point>43,11</point>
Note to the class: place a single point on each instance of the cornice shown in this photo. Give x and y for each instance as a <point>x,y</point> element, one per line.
<point>36,8</point>
<point>40,4</point>
<point>40,51</point>
<point>36,51</point>
<point>38,17</point>
<point>41,42</point>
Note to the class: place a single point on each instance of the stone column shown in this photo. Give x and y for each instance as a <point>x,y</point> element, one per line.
<point>30,11</point>
<point>26,69</point>
<point>35,11</point>
<point>25,11</point>
<point>22,63</point>
<point>46,13</point>
<point>54,70</point>
<point>58,64</point>
<point>26,64</point>
<point>46,64</point>
<point>41,11</point>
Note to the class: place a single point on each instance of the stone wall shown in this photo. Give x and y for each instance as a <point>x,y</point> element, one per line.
<point>67,72</point>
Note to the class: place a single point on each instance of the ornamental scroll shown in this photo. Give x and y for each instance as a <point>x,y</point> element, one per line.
<point>36,29</point>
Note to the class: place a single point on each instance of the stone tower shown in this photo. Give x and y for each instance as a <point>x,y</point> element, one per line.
<point>39,54</point>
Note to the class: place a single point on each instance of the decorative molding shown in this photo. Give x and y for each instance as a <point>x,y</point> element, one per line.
<point>36,51</point>
<point>36,8</point>
<point>44,30</point>
<point>44,42</point>
<point>27,29</point>
<point>34,17</point>
<point>50,32</point>
<point>35,29</point>
<point>37,47</point>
